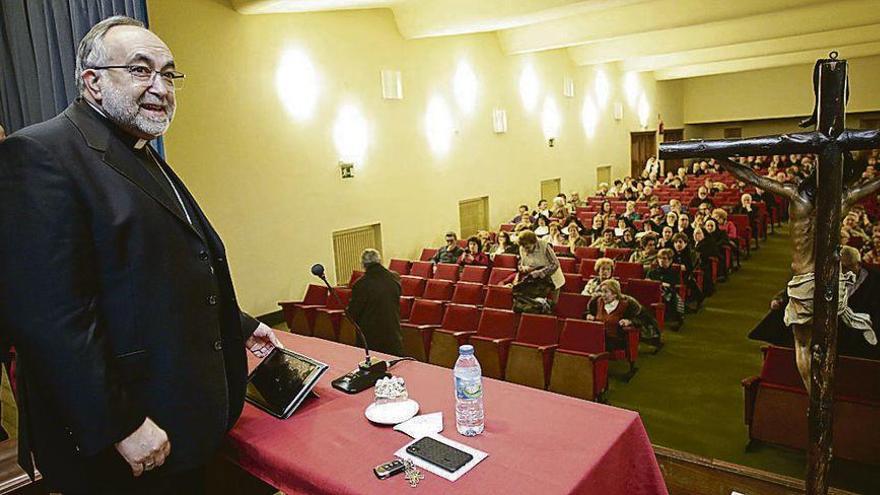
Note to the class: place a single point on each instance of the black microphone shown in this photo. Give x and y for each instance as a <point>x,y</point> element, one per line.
<point>367,373</point>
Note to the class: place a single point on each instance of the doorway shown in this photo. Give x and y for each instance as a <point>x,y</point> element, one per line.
<point>643,146</point>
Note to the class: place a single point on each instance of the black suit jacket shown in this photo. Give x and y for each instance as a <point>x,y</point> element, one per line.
<point>375,306</point>
<point>118,307</point>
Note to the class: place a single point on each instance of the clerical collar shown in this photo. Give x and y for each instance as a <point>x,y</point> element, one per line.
<point>130,140</point>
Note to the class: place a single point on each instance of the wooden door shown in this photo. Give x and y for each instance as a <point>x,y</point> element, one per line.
<point>672,135</point>
<point>550,188</point>
<point>473,216</point>
<point>643,146</point>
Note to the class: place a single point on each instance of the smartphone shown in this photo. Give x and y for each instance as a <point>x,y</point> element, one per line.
<point>439,454</point>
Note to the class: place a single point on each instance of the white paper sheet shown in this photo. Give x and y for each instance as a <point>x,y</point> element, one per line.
<point>424,424</point>
<point>427,466</point>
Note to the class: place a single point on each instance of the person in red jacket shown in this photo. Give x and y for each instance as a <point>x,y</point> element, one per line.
<point>474,254</point>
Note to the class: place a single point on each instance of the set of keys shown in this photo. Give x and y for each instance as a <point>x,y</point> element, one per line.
<point>413,474</point>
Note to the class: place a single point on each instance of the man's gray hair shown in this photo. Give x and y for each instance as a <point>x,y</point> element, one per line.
<point>851,254</point>
<point>370,257</point>
<point>91,51</point>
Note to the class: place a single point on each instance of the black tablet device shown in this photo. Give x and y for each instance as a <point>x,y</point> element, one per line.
<point>280,383</point>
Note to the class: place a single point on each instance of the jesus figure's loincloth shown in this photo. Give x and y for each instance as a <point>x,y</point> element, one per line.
<point>800,304</point>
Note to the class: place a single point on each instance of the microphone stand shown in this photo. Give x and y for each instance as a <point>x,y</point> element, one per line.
<point>368,372</point>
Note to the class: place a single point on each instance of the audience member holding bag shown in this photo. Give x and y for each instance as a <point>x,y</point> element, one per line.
<point>540,276</point>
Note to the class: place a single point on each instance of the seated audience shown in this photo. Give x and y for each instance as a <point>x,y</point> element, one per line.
<point>560,210</point>
<point>684,226</point>
<point>505,245</point>
<point>666,237</point>
<point>617,311</point>
<point>450,252</point>
<point>474,254</point>
<point>606,241</point>
<point>872,256</point>
<point>542,227</point>
<point>523,210</point>
<point>647,254</point>
<point>556,237</point>
<point>745,207</point>
<point>597,228</point>
<point>688,259</point>
<point>729,228</point>
<point>630,213</point>
<point>543,209</point>
<point>701,197</point>
<point>575,239</point>
<point>486,238</point>
<point>669,276</point>
<point>603,270</point>
<point>671,220</point>
<point>540,276</point>
<point>574,201</point>
<point>707,250</point>
<point>628,240</point>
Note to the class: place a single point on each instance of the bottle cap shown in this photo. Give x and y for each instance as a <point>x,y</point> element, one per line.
<point>467,350</point>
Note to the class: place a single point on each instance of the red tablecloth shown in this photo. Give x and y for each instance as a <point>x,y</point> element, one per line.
<point>538,442</point>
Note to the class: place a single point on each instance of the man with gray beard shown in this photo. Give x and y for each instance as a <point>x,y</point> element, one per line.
<point>114,287</point>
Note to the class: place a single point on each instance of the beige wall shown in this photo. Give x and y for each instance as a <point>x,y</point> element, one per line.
<point>271,183</point>
<point>773,93</point>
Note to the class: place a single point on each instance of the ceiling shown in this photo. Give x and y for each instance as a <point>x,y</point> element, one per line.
<point>674,39</point>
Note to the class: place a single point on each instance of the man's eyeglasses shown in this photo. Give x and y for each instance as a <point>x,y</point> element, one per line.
<point>143,75</point>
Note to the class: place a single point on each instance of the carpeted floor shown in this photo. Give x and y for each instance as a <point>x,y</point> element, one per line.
<point>689,394</point>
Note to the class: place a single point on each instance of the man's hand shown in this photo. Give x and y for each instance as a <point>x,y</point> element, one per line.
<point>146,448</point>
<point>263,341</point>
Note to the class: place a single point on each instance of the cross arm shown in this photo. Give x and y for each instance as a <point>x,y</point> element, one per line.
<point>859,139</point>
<point>746,174</point>
<point>783,144</point>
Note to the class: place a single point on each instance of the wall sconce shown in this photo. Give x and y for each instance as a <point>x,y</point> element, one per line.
<point>347,169</point>
<point>568,87</point>
<point>392,85</point>
<point>499,120</point>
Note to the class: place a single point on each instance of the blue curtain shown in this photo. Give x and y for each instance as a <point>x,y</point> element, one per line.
<point>38,41</point>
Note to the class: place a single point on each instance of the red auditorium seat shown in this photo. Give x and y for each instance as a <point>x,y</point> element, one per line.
<point>580,363</point>
<point>495,332</point>
<point>573,283</point>
<point>507,227</point>
<point>424,269</point>
<point>355,276</point>
<point>587,253</point>
<point>498,275</point>
<point>649,293</point>
<point>624,270</point>
<point>744,231</point>
<point>504,261</point>
<point>459,323</point>
<point>561,250</point>
<point>531,355</point>
<point>425,317</point>
<point>462,243</point>
<point>406,304</point>
<point>498,297</point>
<point>446,271</point>
<point>468,293</point>
<point>300,315</point>
<point>427,254</point>
<point>327,318</point>
<point>438,290</point>
<point>412,286</point>
<point>571,305</point>
<point>587,268</point>
<point>399,266</point>
<point>618,254</point>
<point>475,274</point>
<point>776,405</point>
<point>568,265</point>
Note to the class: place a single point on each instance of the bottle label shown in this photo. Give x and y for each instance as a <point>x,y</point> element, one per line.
<point>468,389</point>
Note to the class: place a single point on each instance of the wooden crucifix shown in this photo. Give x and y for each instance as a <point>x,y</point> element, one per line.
<point>815,216</point>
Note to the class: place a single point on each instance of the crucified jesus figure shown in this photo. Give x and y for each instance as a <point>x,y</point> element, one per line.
<point>799,312</point>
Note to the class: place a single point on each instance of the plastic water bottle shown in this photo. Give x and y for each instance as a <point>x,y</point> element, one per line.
<point>468,392</point>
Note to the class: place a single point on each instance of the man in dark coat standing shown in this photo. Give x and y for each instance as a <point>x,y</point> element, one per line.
<point>114,287</point>
<point>375,305</point>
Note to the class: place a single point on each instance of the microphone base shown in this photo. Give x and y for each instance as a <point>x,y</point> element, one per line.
<point>363,377</point>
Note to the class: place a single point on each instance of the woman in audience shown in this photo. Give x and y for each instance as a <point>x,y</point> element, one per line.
<point>606,208</point>
<point>669,276</point>
<point>671,221</point>
<point>745,207</point>
<point>647,255</point>
<point>542,228</point>
<point>719,238</point>
<point>505,245</point>
<point>666,238</point>
<point>474,254</point>
<point>556,237</point>
<point>486,239</point>
<point>560,210</point>
<point>630,213</point>
<point>857,236</point>
<point>617,311</point>
<point>606,241</point>
<point>575,239</point>
<point>540,276</point>
<point>629,194</point>
<point>628,240</point>
<point>729,228</point>
<point>603,269</point>
<point>706,251</point>
<point>688,259</point>
<point>684,226</point>
<point>597,228</point>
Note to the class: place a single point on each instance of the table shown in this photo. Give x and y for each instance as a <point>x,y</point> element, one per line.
<point>538,442</point>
